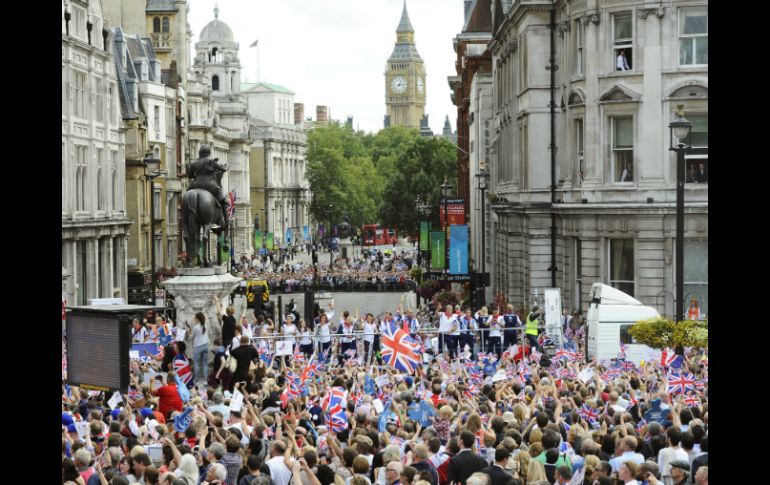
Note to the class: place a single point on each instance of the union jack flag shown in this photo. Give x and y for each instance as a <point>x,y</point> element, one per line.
<point>524,370</point>
<point>680,383</point>
<point>292,385</point>
<point>692,400</point>
<point>700,385</point>
<point>476,374</point>
<point>134,394</point>
<point>183,369</point>
<point>471,391</point>
<point>337,418</point>
<point>381,394</point>
<point>622,354</point>
<point>642,423</point>
<point>298,356</point>
<point>310,369</point>
<point>535,356</point>
<point>627,365</point>
<point>632,401</point>
<point>610,374</point>
<point>588,413</point>
<point>231,200</point>
<point>269,432</point>
<point>400,351</point>
<point>670,359</point>
<point>469,364</point>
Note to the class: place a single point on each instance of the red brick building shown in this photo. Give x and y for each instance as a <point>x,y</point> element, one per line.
<point>477,29</point>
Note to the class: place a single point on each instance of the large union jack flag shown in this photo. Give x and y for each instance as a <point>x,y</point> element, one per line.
<point>588,413</point>
<point>183,369</point>
<point>668,358</point>
<point>680,383</point>
<point>400,351</point>
<point>338,420</point>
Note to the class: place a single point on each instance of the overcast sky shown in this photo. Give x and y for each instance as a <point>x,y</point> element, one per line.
<point>333,52</point>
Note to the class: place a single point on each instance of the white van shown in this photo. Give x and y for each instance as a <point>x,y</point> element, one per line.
<point>610,314</point>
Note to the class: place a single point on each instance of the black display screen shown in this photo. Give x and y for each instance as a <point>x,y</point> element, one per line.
<point>97,350</point>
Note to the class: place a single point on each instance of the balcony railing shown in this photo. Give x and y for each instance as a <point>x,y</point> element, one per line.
<point>161,40</point>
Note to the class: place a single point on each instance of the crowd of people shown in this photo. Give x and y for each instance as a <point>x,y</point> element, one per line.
<point>454,398</point>
<point>371,271</point>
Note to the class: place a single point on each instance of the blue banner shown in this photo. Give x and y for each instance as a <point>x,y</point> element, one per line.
<point>305,233</point>
<point>458,249</point>
<point>289,235</point>
<point>151,349</point>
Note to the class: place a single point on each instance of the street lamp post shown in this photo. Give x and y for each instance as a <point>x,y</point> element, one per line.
<point>331,234</point>
<point>445,188</point>
<point>483,185</point>
<point>153,164</point>
<point>680,129</point>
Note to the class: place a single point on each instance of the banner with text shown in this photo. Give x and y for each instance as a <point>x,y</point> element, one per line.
<point>458,249</point>
<point>269,239</point>
<point>258,239</point>
<point>306,233</point>
<point>424,241</point>
<point>437,249</point>
<point>456,210</point>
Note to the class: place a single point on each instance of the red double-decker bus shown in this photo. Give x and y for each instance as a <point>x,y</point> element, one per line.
<point>376,235</point>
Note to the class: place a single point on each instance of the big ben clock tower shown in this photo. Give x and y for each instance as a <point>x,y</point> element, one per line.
<point>404,79</point>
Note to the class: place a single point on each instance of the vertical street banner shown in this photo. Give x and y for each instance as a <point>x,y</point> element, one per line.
<point>424,241</point>
<point>437,249</point>
<point>306,233</point>
<point>458,249</point>
<point>289,235</point>
<point>321,231</point>
<point>258,239</point>
<point>270,245</point>
<point>456,210</point>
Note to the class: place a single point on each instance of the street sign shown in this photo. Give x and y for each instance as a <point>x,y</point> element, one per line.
<point>456,210</point>
<point>477,279</point>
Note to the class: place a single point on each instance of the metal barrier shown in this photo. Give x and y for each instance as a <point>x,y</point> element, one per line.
<point>481,342</point>
<point>344,286</point>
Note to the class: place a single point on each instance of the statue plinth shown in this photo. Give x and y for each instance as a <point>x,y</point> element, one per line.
<point>194,290</point>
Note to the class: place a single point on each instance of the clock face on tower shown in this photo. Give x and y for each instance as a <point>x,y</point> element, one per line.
<point>420,85</point>
<point>398,85</point>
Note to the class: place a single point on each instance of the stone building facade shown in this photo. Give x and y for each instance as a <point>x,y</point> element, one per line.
<point>94,221</point>
<point>613,202</point>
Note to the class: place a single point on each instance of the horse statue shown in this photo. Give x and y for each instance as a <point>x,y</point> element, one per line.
<point>200,211</point>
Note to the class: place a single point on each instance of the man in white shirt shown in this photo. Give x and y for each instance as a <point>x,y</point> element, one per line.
<point>445,324</point>
<point>621,62</point>
<point>218,405</point>
<point>628,448</point>
<point>669,454</point>
<point>280,473</point>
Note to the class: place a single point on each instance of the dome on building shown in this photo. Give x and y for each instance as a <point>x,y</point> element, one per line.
<point>216,30</point>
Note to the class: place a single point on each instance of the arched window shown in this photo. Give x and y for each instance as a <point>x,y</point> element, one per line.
<point>215,83</point>
<point>156,24</point>
<point>99,190</point>
<point>165,24</point>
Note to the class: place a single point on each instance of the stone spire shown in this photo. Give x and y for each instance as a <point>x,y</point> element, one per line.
<point>216,10</point>
<point>447,127</point>
<point>405,25</point>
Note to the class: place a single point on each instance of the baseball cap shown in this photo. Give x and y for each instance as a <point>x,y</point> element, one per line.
<point>115,413</point>
<point>66,419</point>
<point>147,413</point>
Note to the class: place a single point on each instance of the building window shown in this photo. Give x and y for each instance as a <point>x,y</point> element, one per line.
<point>623,41</point>
<point>158,253</point>
<point>165,24</point>
<point>115,204</point>
<point>579,148</point>
<point>156,202</point>
<point>215,83</point>
<point>579,59</point>
<point>171,210</point>
<point>171,252</point>
<point>100,190</point>
<point>697,156</point>
<point>156,121</point>
<point>156,24</point>
<point>623,149</point>
<point>693,36</point>
<point>82,280</point>
<point>79,97</point>
<point>99,101</point>
<point>578,274</point>
<point>621,265</point>
<point>80,178</point>
<point>115,266</point>
<point>696,274</point>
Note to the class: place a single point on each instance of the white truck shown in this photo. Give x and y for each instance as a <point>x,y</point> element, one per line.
<point>610,314</point>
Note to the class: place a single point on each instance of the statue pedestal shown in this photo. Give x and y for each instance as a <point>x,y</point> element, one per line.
<point>194,290</point>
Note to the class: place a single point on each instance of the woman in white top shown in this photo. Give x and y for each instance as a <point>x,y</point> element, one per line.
<point>369,330</point>
<point>246,328</point>
<point>305,341</point>
<point>200,346</point>
<point>290,332</point>
<point>495,333</point>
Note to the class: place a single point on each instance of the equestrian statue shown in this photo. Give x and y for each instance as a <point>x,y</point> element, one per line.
<point>204,205</point>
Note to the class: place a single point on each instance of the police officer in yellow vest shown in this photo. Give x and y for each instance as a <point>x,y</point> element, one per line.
<point>531,329</point>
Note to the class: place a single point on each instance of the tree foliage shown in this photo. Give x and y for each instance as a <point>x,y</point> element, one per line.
<point>377,178</point>
<point>661,332</point>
